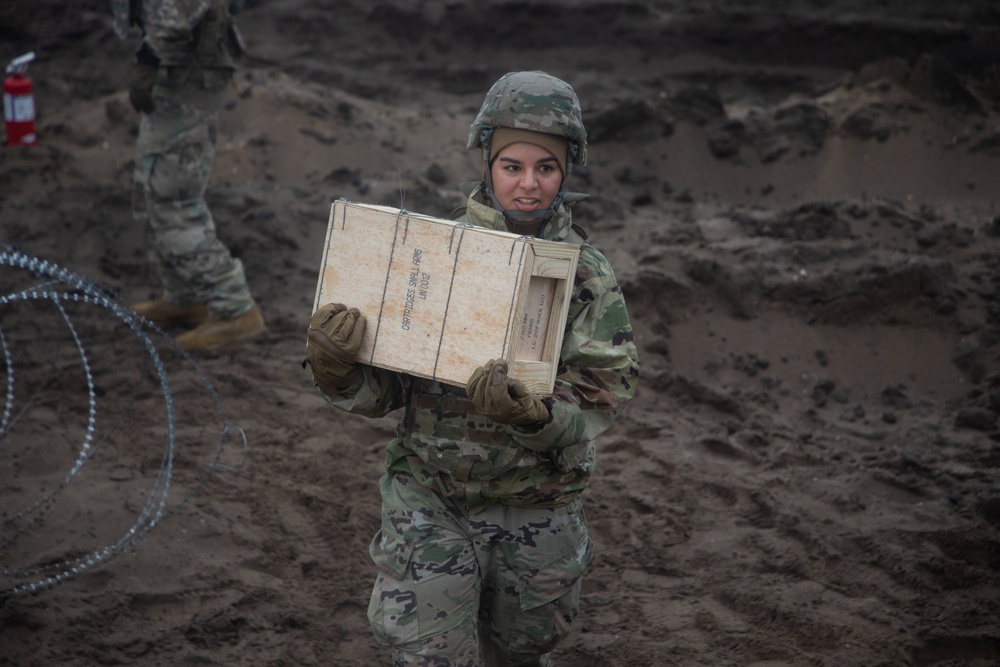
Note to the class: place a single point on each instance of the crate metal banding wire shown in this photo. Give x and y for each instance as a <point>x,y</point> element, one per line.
<point>56,388</point>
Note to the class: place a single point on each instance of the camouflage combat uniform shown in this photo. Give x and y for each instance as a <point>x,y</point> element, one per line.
<point>483,539</point>
<point>195,43</point>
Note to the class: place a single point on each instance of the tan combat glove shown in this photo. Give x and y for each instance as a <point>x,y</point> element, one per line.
<point>333,341</point>
<point>504,399</point>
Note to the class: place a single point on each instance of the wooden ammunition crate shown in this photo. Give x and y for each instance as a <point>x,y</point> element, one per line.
<point>443,298</point>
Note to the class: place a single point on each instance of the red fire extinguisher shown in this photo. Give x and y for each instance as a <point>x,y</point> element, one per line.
<point>19,103</point>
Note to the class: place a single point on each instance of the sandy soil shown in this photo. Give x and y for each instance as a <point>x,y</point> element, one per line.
<point>801,200</point>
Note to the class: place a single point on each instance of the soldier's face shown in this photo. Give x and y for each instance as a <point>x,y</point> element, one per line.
<point>526,177</point>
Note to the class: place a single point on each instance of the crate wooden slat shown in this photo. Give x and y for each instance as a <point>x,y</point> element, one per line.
<point>442,298</point>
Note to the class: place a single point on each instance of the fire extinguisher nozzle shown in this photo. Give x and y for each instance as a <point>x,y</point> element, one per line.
<point>20,64</point>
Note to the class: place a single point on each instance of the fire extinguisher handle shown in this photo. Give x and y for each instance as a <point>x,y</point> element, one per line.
<point>20,64</point>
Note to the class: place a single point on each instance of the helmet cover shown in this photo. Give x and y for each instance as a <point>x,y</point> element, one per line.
<point>532,101</point>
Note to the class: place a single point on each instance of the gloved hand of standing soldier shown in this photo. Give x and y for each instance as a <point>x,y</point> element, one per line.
<point>140,90</point>
<point>333,340</point>
<point>503,399</point>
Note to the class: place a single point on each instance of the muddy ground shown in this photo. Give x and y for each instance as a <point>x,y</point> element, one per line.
<point>800,199</point>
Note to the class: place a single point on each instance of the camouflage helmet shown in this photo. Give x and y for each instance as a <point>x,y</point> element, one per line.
<point>533,101</point>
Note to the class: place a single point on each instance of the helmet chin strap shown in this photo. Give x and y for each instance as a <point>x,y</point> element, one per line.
<point>515,219</point>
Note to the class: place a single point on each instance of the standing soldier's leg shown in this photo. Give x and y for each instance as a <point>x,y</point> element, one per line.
<point>178,303</point>
<point>177,148</point>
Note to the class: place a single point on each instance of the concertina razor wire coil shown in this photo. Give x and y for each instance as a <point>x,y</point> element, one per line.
<point>45,370</point>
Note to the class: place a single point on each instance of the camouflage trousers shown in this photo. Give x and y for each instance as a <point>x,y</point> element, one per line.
<point>500,587</point>
<point>174,155</point>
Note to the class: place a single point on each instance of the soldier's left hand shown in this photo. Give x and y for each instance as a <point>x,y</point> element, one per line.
<point>140,90</point>
<point>503,399</point>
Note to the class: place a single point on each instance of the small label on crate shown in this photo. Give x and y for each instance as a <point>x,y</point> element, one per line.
<point>535,320</point>
<point>418,288</point>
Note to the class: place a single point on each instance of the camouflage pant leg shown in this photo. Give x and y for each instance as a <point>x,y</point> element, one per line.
<point>426,597</point>
<point>174,156</point>
<point>531,591</point>
<point>500,587</point>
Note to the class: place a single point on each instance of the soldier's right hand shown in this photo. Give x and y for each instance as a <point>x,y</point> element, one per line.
<point>332,344</point>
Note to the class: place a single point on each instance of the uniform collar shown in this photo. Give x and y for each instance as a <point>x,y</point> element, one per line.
<point>483,215</point>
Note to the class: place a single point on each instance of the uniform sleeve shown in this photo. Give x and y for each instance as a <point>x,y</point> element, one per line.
<point>378,393</point>
<point>598,365</point>
<point>170,29</point>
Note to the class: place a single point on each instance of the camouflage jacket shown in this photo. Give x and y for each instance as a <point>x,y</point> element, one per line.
<point>183,33</point>
<point>445,445</point>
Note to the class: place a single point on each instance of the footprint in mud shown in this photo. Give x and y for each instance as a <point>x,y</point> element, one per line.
<point>727,450</point>
<point>750,505</point>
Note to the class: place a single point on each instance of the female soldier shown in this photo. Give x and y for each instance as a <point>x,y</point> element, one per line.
<point>483,539</point>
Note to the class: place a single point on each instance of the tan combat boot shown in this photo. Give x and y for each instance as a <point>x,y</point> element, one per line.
<point>165,314</point>
<point>212,332</point>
